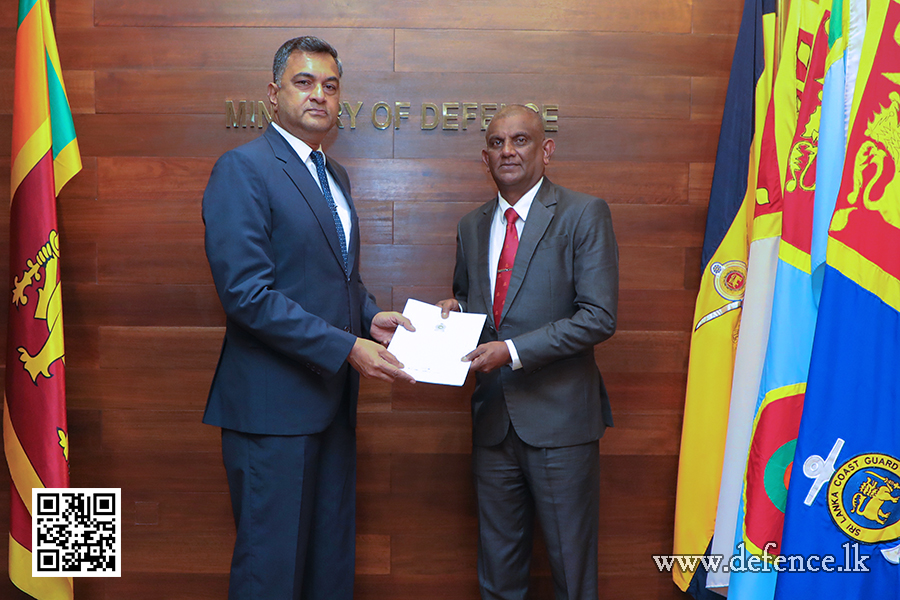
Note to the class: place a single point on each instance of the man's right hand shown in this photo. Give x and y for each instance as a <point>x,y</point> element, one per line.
<point>372,360</point>
<point>448,305</point>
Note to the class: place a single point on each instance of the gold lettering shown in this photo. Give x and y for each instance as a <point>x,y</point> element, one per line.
<point>353,112</point>
<point>447,116</point>
<point>548,118</point>
<point>262,114</point>
<point>401,111</point>
<point>426,123</point>
<point>233,120</point>
<point>251,115</point>
<point>453,116</point>
<point>467,114</point>
<point>387,109</point>
<point>485,116</point>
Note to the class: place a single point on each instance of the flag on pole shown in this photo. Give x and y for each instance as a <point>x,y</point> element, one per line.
<point>724,264</point>
<point>843,505</point>
<point>44,157</point>
<point>804,18</point>
<point>777,416</point>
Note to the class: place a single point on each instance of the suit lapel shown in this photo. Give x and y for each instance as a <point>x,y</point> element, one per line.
<point>483,236</point>
<point>539,217</point>
<point>308,188</point>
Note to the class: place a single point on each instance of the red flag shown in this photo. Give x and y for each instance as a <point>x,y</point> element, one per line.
<point>44,157</point>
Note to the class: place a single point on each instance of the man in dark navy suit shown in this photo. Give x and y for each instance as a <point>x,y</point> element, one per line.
<point>282,239</point>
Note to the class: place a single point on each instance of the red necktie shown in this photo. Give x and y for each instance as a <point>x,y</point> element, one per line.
<point>505,264</point>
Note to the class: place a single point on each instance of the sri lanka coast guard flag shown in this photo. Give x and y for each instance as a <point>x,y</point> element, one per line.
<point>841,536</point>
<point>44,157</point>
<point>717,314</point>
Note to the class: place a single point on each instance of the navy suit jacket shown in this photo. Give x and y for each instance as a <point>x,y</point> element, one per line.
<point>292,311</point>
<point>562,301</point>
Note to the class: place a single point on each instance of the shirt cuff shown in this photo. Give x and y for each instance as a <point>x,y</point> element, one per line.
<point>516,363</point>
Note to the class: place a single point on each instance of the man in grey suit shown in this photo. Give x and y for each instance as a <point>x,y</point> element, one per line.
<point>542,262</point>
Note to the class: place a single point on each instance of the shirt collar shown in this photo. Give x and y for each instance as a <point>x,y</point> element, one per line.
<point>300,147</point>
<point>524,204</point>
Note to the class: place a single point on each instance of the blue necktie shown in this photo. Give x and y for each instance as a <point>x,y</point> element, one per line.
<point>319,159</point>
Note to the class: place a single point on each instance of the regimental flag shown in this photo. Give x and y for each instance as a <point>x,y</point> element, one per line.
<point>44,157</point>
<point>765,234</point>
<point>783,383</point>
<point>781,123</point>
<point>724,262</point>
<point>843,507</point>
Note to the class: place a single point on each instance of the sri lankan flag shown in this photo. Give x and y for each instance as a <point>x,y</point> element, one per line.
<point>724,262</point>
<point>843,503</point>
<point>44,157</point>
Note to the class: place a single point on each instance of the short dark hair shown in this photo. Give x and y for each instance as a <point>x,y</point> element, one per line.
<point>307,43</point>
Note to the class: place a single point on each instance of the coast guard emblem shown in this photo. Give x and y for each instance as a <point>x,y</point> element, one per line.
<point>863,495</point>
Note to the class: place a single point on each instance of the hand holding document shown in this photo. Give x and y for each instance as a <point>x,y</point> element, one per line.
<point>433,352</point>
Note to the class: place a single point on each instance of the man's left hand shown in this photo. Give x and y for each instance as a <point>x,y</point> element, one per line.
<point>385,323</point>
<point>489,356</point>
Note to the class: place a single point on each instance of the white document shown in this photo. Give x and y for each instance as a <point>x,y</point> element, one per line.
<point>433,352</point>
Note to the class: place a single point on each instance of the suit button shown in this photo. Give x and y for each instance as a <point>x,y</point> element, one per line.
<point>347,329</point>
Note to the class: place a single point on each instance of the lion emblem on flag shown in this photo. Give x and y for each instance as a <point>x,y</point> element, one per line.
<point>48,309</point>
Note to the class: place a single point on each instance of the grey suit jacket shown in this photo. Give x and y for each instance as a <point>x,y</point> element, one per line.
<point>561,302</point>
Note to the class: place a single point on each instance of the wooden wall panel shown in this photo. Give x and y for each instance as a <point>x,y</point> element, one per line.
<point>708,97</point>
<point>585,138</point>
<point>581,53</point>
<point>413,180</point>
<point>602,15</point>
<point>210,47</point>
<point>153,178</point>
<point>665,310</point>
<point>701,175</point>
<point>74,14</point>
<point>132,304</point>
<point>8,37</point>
<point>137,388</point>
<point>640,88</point>
<point>197,136</point>
<point>6,134</point>
<point>6,91</point>
<point>713,16</point>
<point>660,393</point>
<point>612,94</point>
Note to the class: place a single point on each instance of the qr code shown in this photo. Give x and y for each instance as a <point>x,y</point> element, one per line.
<point>75,532</point>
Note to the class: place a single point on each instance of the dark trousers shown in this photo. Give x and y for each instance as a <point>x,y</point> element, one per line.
<point>515,482</point>
<point>294,503</point>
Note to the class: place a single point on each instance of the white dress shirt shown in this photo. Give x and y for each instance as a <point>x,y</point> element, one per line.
<point>305,152</point>
<point>498,235</point>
